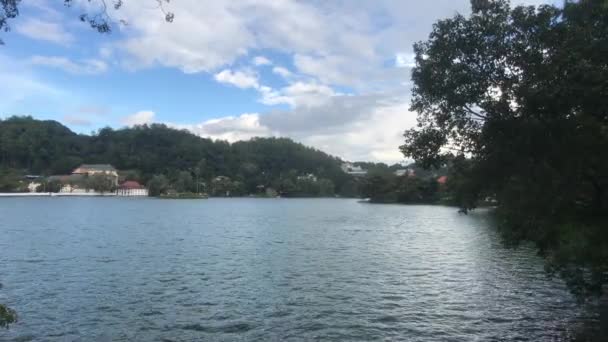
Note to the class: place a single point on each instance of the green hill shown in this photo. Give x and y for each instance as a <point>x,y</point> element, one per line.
<point>47,147</point>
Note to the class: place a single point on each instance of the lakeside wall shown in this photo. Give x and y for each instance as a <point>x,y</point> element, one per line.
<point>54,194</point>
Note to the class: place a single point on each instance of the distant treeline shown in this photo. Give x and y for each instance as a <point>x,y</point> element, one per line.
<point>169,159</point>
<point>47,147</point>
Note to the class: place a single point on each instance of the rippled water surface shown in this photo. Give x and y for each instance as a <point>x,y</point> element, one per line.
<point>109,269</point>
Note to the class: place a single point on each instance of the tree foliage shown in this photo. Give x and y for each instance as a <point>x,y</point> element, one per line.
<point>99,183</point>
<point>383,187</point>
<point>182,158</point>
<point>96,14</point>
<point>158,185</point>
<point>522,93</point>
<point>8,316</point>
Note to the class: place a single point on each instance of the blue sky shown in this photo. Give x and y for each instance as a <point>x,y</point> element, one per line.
<point>330,74</point>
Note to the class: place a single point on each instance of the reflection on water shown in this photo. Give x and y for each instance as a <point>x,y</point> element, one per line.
<point>225,269</point>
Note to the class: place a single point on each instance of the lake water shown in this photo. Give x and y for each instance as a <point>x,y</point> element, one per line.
<point>120,269</point>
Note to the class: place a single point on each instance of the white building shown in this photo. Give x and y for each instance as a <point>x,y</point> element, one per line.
<point>98,169</point>
<point>353,170</point>
<point>131,188</point>
<point>33,186</point>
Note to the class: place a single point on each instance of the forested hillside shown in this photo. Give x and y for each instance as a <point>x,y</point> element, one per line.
<point>32,146</point>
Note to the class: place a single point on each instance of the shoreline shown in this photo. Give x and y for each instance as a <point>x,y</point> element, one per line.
<point>60,194</point>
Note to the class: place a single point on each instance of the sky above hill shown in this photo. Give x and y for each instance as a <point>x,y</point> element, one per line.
<point>334,75</point>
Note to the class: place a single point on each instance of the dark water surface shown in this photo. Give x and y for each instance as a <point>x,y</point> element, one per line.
<point>110,269</point>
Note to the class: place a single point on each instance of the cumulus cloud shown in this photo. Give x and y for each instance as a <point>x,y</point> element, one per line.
<point>84,67</point>
<point>351,127</point>
<point>281,71</point>
<point>339,42</point>
<point>139,118</point>
<point>375,136</point>
<point>405,60</point>
<point>44,30</point>
<point>230,128</point>
<point>261,60</point>
<point>347,63</point>
<point>297,94</point>
<point>333,112</point>
<point>240,79</point>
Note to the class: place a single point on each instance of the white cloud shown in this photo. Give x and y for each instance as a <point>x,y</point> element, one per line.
<point>337,42</point>
<point>405,60</point>
<point>205,38</point>
<point>261,60</point>
<point>273,97</point>
<point>240,79</point>
<point>298,94</point>
<point>308,94</point>
<point>375,137</point>
<point>281,71</point>
<point>139,118</point>
<point>368,127</point>
<point>84,67</point>
<point>364,47</point>
<point>230,128</point>
<point>44,30</point>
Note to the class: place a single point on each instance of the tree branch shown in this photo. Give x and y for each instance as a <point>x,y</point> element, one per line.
<point>474,113</point>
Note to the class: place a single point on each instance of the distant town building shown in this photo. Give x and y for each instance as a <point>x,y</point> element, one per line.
<point>353,170</point>
<point>131,188</point>
<point>33,186</point>
<point>98,169</point>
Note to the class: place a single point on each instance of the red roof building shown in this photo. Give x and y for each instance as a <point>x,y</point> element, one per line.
<point>131,185</point>
<point>131,188</point>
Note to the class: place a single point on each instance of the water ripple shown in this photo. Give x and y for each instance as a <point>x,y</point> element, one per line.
<point>246,269</point>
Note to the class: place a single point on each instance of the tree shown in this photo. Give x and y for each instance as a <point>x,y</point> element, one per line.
<point>7,315</point>
<point>8,10</point>
<point>99,183</point>
<point>9,180</point>
<point>184,182</point>
<point>522,94</point>
<point>326,187</point>
<point>221,186</point>
<point>158,185</point>
<point>380,187</point>
<point>96,15</point>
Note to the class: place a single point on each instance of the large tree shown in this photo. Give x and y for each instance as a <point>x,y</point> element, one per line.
<point>521,94</point>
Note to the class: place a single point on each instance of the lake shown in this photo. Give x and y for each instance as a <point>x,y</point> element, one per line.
<point>124,269</point>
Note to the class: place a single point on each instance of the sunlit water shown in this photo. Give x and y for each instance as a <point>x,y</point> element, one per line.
<point>109,269</point>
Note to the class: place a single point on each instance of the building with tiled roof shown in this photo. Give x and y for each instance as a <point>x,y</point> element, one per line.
<point>131,188</point>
